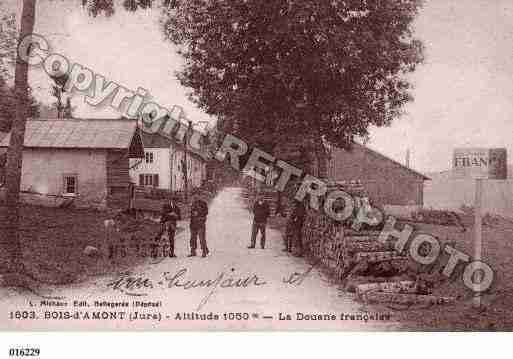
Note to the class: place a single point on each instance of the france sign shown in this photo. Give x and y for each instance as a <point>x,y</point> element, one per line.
<point>485,163</point>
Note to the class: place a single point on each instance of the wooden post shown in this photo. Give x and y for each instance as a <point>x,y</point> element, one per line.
<point>186,169</point>
<point>171,169</point>
<point>131,196</point>
<point>478,240</point>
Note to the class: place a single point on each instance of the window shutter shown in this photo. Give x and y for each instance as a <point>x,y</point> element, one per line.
<point>155,180</point>
<point>141,180</point>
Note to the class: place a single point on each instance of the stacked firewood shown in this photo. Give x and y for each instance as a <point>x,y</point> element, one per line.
<point>374,270</point>
<point>379,274</point>
<point>323,239</point>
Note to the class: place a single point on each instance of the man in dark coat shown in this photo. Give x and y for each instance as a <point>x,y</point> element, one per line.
<point>297,218</point>
<point>199,212</point>
<point>170,215</point>
<point>261,212</point>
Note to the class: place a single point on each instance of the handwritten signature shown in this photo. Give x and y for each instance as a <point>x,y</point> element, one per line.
<point>140,285</point>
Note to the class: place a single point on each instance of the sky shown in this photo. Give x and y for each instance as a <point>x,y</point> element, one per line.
<point>463,91</point>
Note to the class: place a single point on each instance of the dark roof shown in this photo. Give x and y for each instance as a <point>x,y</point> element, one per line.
<point>157,140</point>
<point>78,133</point>
<point>382,156</point>
<point>290,150</point>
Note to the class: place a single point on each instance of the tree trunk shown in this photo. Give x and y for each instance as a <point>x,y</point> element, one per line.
<point>11,243</point>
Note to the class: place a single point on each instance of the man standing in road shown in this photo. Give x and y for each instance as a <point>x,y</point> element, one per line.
<point>199,212</point>
<point>261,212</point>
<point>295,228</point>
<point>170,215</point>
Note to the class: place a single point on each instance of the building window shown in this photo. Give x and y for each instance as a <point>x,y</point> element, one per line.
<point>148,156</point>
<point>149,180</point>
<point>70,184</point>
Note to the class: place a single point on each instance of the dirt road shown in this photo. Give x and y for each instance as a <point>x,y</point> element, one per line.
<point>259,284</point>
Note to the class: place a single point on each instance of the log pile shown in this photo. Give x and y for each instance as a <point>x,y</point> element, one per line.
<point>375,271</point>
<point>383,274</point>
<point>386,271</point>
<point>408,299</point>
<point>343,250</point>
<point>369,256</point>
<point>323,239</point>
<point>406,286</point>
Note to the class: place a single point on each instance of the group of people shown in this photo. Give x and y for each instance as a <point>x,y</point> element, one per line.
<point>171,214</point>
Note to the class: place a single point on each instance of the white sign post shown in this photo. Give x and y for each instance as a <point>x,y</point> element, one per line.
<point>478,239</point>
<point>479,164</point>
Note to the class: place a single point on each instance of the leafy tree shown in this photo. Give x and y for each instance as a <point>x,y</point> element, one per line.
<point>307,69</point>
<point>107,7</point>
<point>7,44</point>
<point>7,56</point>
<point>97,7</point>
<point>62,103</point>
<point>8,106</point>
<point>8,36</point>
